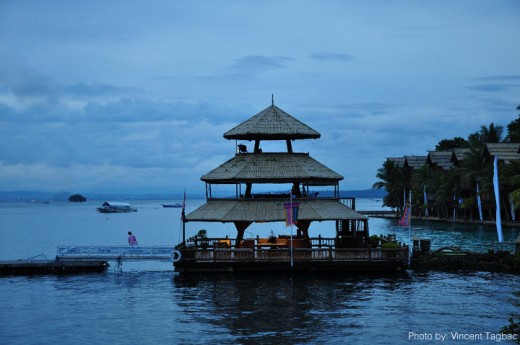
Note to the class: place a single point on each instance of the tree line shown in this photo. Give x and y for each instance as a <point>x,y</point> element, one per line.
<point>455,191</point>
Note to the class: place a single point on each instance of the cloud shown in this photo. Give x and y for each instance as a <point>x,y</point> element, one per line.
<point>92,98</point>
<point>97,90</point>
<point>499,78</point>
<point>130,144</point>
<point>493,87</point>
<point>331,57</point>
<point>496,83</point>
<point>254,65</point>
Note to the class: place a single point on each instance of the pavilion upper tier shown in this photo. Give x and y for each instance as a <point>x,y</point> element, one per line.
<point>272,123</point>
<point>257,167</point>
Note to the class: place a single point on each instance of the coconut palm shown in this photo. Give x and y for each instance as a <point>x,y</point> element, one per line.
<point>423,180</point>
<point>393,178</point>
<point>491,134</point>
<point>510,180</point>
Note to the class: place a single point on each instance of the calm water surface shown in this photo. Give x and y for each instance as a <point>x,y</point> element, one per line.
<point>147,303</point>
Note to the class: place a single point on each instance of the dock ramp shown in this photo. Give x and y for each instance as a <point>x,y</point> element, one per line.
<point>117,253</point>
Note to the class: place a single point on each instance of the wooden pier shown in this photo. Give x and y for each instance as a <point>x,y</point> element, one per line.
<point>29,267</point>
<point>380,214</point>
<point>83,259</point>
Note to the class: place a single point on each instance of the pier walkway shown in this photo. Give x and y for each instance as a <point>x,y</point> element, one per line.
<point>117,253</point>
<point>380,214</point>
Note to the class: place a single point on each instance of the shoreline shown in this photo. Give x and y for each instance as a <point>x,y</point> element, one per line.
<point>450,259</point>
<point>508,224</point>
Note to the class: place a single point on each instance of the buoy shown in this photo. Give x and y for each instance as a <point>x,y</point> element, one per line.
<point>176,256</point>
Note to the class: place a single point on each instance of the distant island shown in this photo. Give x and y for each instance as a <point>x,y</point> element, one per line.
<point>77,198</point>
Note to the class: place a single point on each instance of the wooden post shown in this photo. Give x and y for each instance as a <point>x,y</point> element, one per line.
<point>241,227</point>
<point>289,145</point>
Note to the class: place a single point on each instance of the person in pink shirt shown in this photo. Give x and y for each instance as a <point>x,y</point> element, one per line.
<point>131,239</point>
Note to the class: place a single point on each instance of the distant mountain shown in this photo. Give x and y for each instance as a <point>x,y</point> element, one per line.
<point>35,196</point>
<point>366,193</point>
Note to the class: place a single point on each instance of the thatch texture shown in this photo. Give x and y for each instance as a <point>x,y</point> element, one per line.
<point>270,211</point>
<point>272,123</point>
<point>440,159</point>
<point>505,151</point>
<point>272,168</point>
<point>399,161</point>
<point>415,162</point>
<point>459,154</point>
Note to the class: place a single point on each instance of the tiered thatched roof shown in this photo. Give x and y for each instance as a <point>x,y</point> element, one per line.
<point>243,210</point>
<point>273,168</point>
<point>272,123</point>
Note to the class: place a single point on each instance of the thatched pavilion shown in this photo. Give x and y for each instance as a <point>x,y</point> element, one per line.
<point>248,174</point>
<point>247,169</point>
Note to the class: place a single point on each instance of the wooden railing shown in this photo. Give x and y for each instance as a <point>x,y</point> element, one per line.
<point>299,254</point>
<point>225,242</point>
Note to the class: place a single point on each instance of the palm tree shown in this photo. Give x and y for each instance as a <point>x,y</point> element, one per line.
<point>393,178</point>
<point>423,180</point>
<point>491,134</point>
<point>477,172</point>
<point>510,180</point>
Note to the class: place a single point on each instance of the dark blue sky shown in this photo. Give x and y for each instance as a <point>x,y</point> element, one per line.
<point>134,96</point>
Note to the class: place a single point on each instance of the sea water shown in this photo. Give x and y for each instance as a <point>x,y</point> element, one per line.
<point>146,303</point>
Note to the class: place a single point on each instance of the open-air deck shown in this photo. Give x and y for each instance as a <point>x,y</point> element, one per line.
<point>267,255</point>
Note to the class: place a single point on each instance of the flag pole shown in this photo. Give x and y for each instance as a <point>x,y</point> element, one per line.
<point>497,200</point>
<point>183,218</point>
<point>410,247</point>
<point>291,222</point>
<point>410,216</point>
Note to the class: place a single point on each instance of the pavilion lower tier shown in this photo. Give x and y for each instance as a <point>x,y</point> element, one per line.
<point>299,260</point>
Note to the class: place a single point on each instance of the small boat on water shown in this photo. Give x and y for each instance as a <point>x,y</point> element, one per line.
<point>116,207</point>
<point>176,205</point>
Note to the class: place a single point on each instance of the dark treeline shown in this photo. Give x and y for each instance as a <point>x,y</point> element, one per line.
<point>447,182</point>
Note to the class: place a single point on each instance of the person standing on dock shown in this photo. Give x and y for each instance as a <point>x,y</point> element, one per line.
<point>131,239</point>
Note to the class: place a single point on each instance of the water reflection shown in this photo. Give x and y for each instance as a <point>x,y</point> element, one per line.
<point>289,309</point>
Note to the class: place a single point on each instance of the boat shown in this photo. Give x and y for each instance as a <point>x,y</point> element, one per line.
<point>299,251</point>
<point>116,207</point>
<point>176,205</point>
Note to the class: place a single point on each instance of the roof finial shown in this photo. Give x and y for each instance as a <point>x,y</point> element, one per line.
<point>272,99</point>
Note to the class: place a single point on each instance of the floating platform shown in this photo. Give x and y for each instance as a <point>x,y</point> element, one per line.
<point>309,267</point>
<point>318,260</point>
<point>28,267</point>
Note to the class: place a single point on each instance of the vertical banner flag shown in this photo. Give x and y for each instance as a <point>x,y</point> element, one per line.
<point>291,213</point>
<point>454,207</point>
<point>479,202</point>
<point>426,201</point>
<point>405,220</point>
<point>497,199</point>
<point>512,203</point>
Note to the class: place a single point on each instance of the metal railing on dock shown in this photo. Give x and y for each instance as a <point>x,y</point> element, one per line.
<point>106,253</point>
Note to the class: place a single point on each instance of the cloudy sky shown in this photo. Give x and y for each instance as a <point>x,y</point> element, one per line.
<point>134,96</point>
